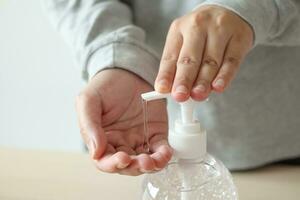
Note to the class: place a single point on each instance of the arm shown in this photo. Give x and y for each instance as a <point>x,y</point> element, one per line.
<point>217,36</point>
<point>102,36</point>
<point>275,22</point>
<point>109,107</point>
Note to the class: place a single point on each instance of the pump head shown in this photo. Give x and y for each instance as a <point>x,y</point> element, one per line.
<point>186,138</point>
<point>187,107</point>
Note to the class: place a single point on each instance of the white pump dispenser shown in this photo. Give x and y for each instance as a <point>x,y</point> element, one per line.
<point>187,138</point>
<point>192,174</point>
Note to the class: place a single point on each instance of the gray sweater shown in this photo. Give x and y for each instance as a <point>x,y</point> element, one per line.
<point>257,120</point>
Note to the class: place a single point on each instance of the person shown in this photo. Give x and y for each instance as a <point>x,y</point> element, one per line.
<point>191,49</point>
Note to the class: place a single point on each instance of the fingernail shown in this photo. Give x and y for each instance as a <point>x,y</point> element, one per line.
<point>122,165</point>
<point>163,84</point>
<point>181,89</point>
<point>200,88</point>
<point>92,147</point>
<point>219,83</point>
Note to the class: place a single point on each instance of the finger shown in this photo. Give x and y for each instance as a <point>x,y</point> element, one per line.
<point>163,148</point>
<point>113,162</point>
<point>132,169</point>
<point>188,63</point>
<point>167,68</point>
<point>214,51</point>
<point>145,163</point>
<point>161,151</point>
<point>160,160</point>
<point>140,164</point>
<point>234,55</point>
<point>89,111</point>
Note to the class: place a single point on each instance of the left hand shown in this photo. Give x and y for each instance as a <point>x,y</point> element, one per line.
<point>203,52</point>
<point>110,117</point>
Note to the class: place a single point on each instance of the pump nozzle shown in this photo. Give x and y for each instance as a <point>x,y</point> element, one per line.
<point>187,138</point>
<point>149,96</point>
<point>187,107</point>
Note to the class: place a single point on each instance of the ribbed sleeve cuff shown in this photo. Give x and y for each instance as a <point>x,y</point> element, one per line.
<point>260,14</point>
<point>127,56</point>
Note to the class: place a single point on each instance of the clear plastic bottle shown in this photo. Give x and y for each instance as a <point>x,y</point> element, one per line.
<point>192,174</point>
<point>205,179</point>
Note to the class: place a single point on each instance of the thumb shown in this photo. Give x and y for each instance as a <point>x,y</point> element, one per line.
<point>89,112</point>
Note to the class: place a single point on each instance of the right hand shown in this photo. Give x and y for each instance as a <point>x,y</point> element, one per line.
<point>203,52</point>
<point>111,122</point>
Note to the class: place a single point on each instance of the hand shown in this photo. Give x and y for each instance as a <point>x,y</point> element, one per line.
<point>111,121</point>
<point>203,52</point>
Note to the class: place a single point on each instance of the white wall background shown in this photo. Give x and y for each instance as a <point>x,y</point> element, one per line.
<point>38,81</point>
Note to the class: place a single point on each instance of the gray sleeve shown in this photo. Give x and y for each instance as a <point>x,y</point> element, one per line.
<point>275,22</point>
<point>102,35</point>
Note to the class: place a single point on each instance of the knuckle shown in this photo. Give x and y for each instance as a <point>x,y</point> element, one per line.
<point>188,61</point>
<point>233,60</point>
<point>200,18</point>
<point>211,62</point>
<point>194,20</point>
<point>221,19</point>
<point>176,24</point>
<point>169,58</point>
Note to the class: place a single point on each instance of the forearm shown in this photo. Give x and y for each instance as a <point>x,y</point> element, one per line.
<point>102,35</point>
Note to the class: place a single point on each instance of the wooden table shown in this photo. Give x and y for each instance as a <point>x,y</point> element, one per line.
<point>43,175</point>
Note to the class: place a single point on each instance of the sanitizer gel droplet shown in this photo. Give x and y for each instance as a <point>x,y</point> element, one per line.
<point>146,131</point>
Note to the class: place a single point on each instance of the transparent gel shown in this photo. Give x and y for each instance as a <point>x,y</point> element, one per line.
<point>206,179</point>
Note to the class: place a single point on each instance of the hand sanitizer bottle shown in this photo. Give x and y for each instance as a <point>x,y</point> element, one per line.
<point>192,174</point>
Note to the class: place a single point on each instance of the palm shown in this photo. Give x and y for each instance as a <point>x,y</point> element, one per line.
<point>120,114</point>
